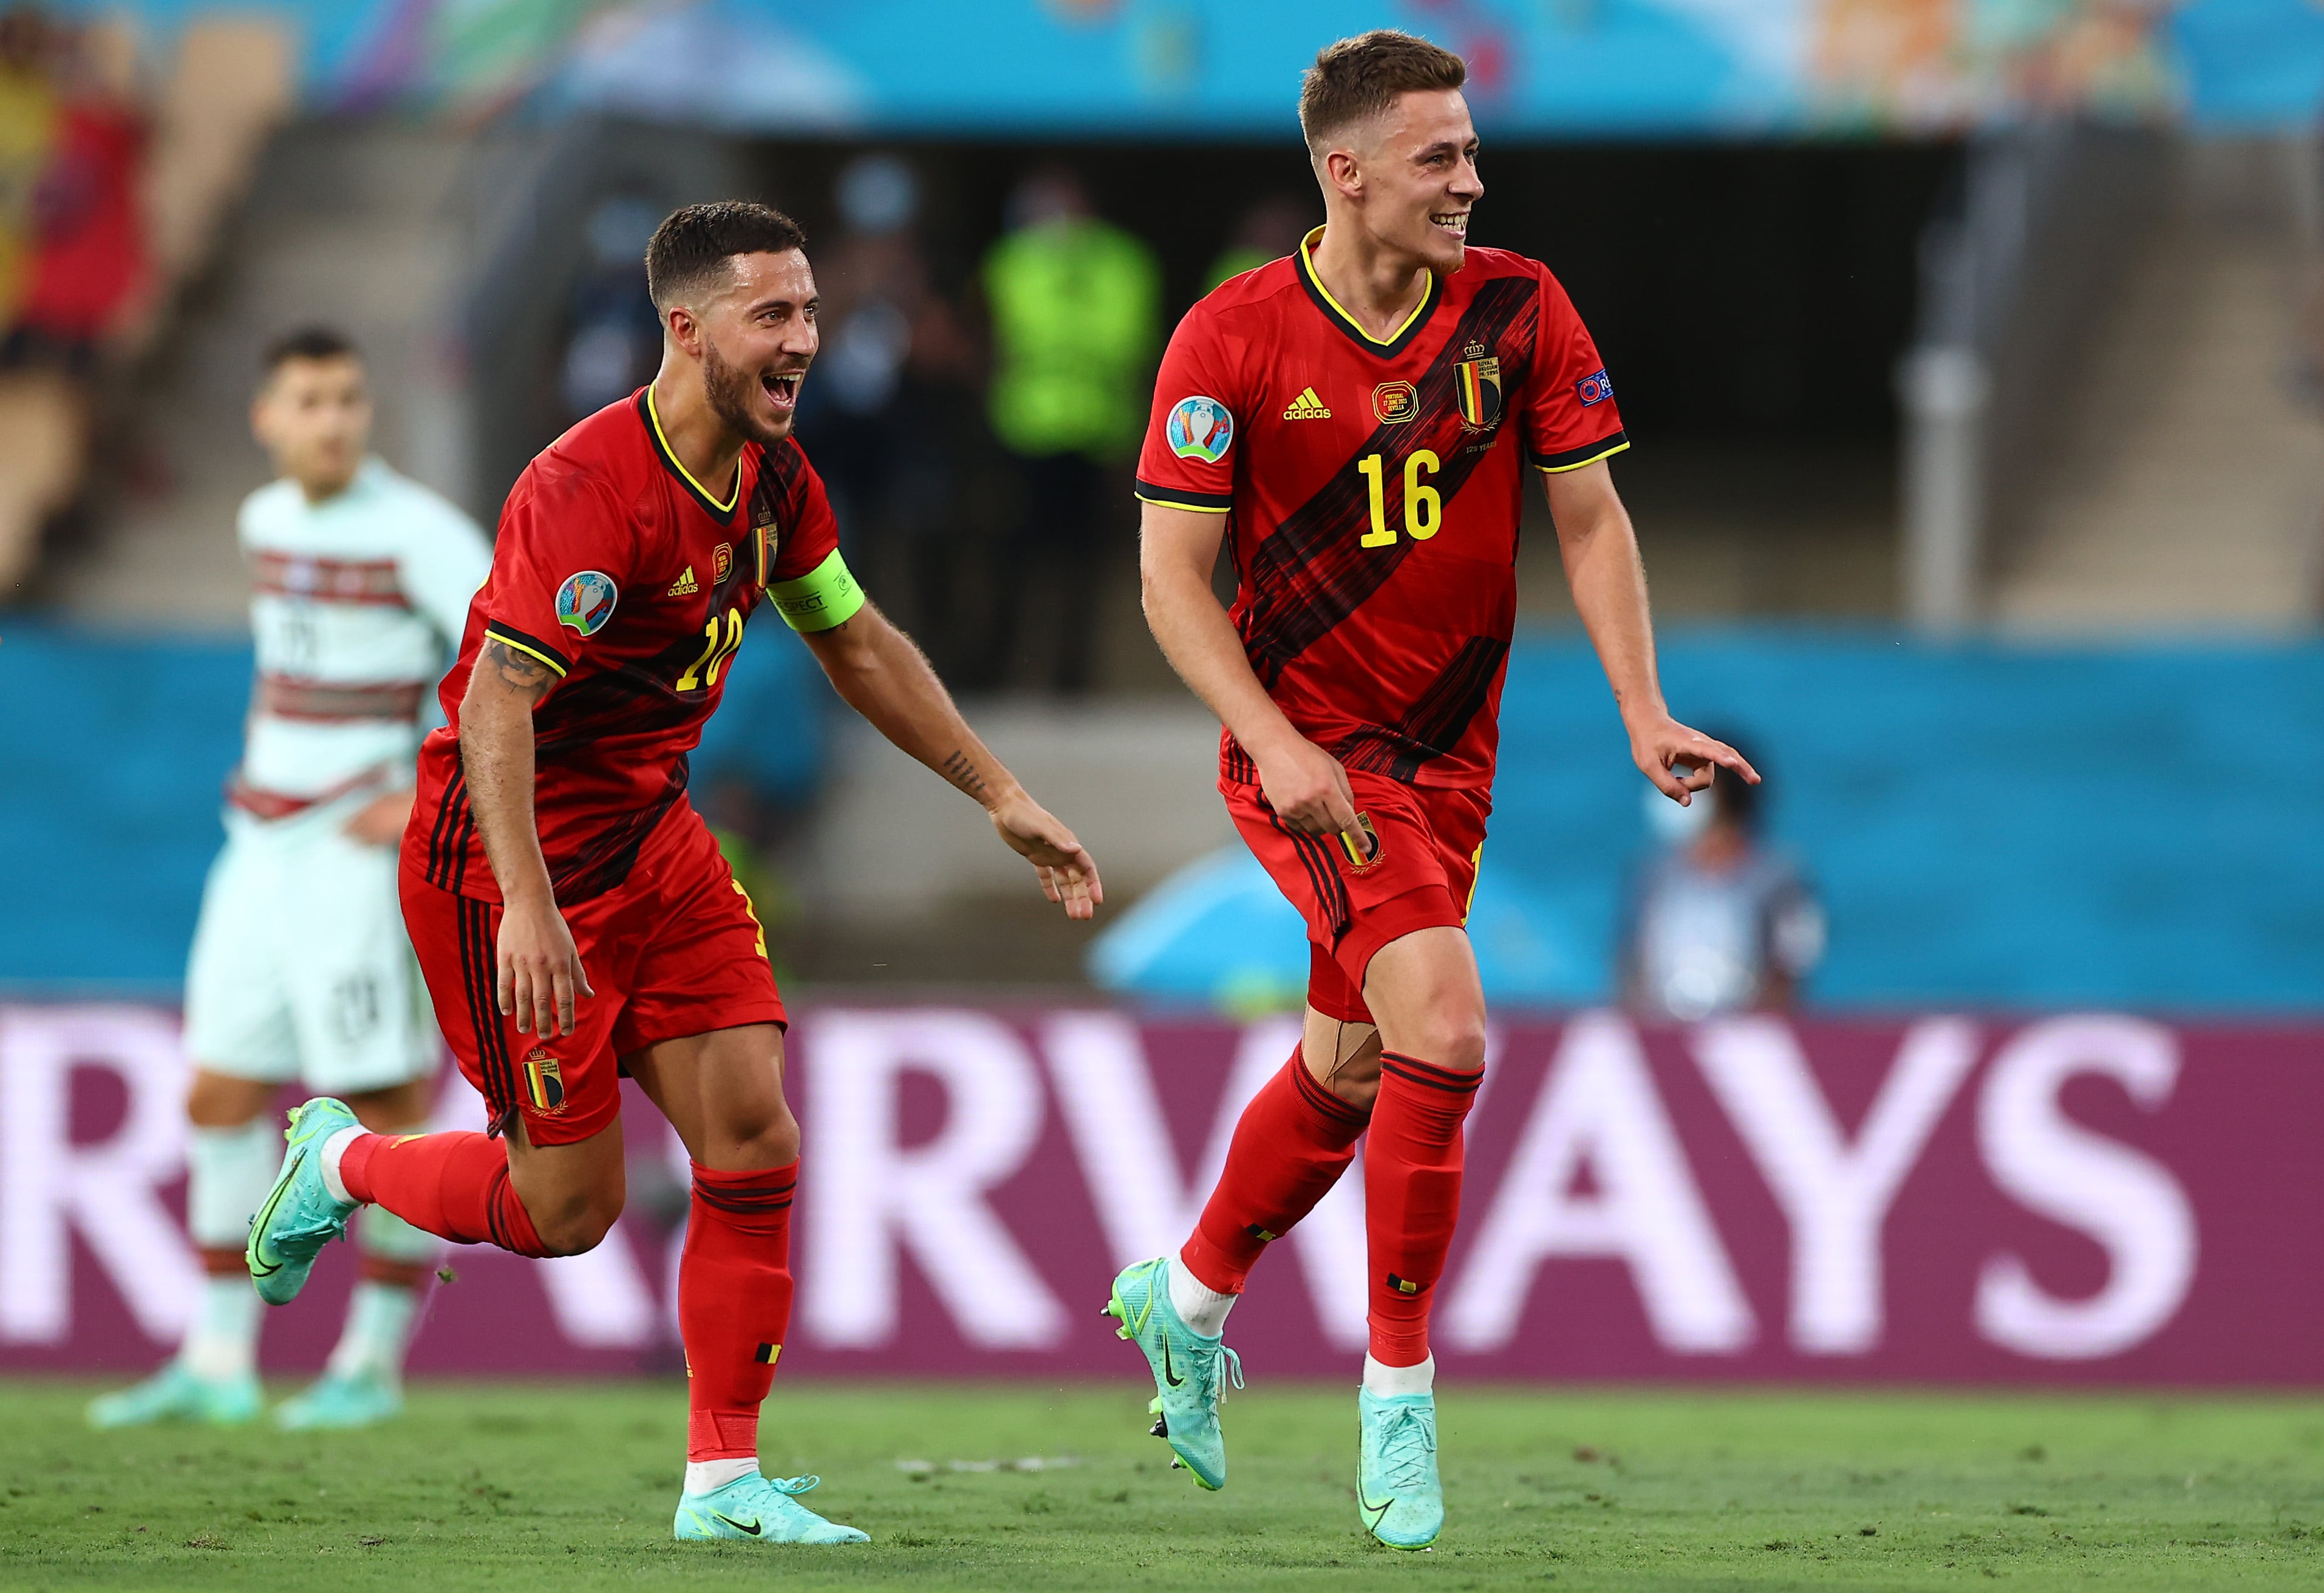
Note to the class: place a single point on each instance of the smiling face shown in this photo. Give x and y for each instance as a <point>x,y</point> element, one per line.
<point>313,418</point>
<point>755,338</point>
<point>1409,177</point>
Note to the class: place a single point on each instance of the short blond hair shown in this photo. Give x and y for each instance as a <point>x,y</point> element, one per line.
<point>1356,79</point>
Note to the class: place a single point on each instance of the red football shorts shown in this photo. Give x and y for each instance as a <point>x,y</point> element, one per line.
<point>673,950</point>
<point>1422,873</point>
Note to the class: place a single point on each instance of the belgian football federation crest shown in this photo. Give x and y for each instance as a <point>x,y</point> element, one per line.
<point>766,541</point>
<point>544,1080</point>
<point>1477,390</point>
<point>585,602</point>
<point>1200,428</point>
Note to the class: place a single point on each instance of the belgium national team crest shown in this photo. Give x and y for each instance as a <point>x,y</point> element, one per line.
<point>766,538</point>
<point>544,1080</point>
<point>1477,389</point>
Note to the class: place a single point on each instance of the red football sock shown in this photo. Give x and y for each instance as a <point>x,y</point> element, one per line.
<point>1290,1145</point>
<point>733,1304</point>
<point>453,1185</point>
<point>1412,1197</point>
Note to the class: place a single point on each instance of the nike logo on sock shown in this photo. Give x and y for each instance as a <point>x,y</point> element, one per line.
<point>750,1527</point>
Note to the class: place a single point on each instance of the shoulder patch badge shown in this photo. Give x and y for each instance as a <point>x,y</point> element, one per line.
<point>1593,389</point>
<point>1200,428</point>
<point>585,602</point>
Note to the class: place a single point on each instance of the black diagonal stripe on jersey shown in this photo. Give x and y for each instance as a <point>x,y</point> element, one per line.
<point>1433,726</point>
<point>447,806</point>
<point>1312,571</point>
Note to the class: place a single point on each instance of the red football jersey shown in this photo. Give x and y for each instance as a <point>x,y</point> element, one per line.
<point>1374,492</point>
<point>631,581</point>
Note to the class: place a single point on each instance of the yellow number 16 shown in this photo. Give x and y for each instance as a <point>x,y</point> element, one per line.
<point>1424,509</point>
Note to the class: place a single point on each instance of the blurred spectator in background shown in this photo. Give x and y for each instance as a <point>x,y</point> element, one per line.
<point>881,417</point>
<point>1718,921</point>
<point>1075,306</point>
<point>87,276</point>
<point>1270,229</point>
<point>616,339</point>
<point>27,127</point>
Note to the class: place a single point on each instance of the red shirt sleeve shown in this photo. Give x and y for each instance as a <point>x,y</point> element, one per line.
<point>809,532</point>
<point>1189,458</point>
<point>565,553</point>
<point>1569,418</point>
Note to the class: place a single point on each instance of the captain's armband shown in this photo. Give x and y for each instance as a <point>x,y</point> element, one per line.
<point>825,597</point>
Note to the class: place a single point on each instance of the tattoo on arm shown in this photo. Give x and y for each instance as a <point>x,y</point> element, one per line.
<point>961,771</point>
<point>520,671</point>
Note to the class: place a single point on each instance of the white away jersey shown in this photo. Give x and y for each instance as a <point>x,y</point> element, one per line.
<point>357,607</point>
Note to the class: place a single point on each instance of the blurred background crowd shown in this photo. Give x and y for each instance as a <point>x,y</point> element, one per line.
<point>1970,347</point>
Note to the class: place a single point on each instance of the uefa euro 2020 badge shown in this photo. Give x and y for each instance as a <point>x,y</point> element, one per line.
<point>1200,428</point>
<point>585,602</point>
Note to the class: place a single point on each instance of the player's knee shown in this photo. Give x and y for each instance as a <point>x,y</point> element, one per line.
<point>764,1137</point>
<point>576,1224</point>
<point>1452,1037</point>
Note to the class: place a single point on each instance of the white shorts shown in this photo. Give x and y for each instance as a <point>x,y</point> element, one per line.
<point>300,967</point>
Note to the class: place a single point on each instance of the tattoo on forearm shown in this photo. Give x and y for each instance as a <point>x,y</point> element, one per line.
<point>519,670</point>
<point>961,771</point>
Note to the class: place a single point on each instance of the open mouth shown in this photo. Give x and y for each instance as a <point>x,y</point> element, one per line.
<point>782,391</point>
<point>1455,222</point>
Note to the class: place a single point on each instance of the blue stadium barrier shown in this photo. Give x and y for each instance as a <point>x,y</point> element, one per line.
<point>1990,826</point>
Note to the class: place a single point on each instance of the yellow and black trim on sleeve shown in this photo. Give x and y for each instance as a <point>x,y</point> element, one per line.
<point>825,598</point>
<point>1179,498</point>
<point>1605,448</point>
<point>532,647</point>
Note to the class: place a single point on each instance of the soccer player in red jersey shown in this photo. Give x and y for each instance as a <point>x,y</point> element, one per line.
<point>573,916</point>
<point>1358,421</point>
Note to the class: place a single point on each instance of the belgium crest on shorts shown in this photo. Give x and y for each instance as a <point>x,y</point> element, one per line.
<point>544,1082</point>
<point>1477,390</point>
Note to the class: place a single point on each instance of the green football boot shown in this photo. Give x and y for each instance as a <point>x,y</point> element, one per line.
<point>174,1394</point>
<point>759,1509</point>
<point>300,1216</point>
<point>1187,1369</point>
<point>340,1401</point>
<point>1397,1490</point>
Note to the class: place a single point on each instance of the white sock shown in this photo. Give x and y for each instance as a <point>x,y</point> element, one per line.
<point>1201,1307</point>
<point>228,1172</point>
<point>379,1327</point>
<point>222,1344</point>
<point>334,1148</point>
<point>1385,1382</point>
<point>704,1476</point>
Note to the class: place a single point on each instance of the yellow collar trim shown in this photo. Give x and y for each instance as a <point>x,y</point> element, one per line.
<point>1307,264</point>
<point>734,495</point>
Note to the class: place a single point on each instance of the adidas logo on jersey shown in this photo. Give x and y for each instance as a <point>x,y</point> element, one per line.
<point>685,585</point>
<point>1307,407</point>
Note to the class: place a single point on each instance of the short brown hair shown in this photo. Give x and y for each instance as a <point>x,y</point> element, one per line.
<point>307,343</point>
<point>1361,76</point>
<point>691,247</point>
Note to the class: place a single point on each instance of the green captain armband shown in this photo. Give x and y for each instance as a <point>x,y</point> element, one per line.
<point>826,596</point>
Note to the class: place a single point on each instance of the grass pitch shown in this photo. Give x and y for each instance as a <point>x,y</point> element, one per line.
<point>572,1487</point>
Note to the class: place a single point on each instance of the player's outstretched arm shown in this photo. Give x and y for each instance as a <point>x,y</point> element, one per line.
<point>1177,550</point>
<point>879,672</point>
<point>1600,549</point>
<point>540,974</point>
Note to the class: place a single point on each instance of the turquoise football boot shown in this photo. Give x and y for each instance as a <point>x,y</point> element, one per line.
<point>759,1509</point>
<point>339,1401</point>
<point>300,1216</point>
<point>174,1394</point>
<point>1397,1490</point>
<point>1186,1368</point>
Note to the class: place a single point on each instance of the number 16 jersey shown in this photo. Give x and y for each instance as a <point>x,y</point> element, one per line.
<point>1373,490</point>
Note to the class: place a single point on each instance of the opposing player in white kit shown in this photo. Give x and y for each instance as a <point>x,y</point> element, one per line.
<point>300,968</point>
